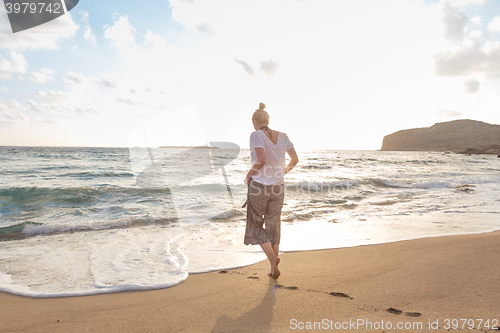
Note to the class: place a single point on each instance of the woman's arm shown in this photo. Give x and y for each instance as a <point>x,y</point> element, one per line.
<point>294,159</point>
<point>259,163</point>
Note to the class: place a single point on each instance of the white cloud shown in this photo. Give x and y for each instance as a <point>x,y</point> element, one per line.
<point>11,115</point>
<point>471,86</point>
<point>59,109</point>
<point>12,119</point>
<point>246,67</point>
<point>88,34</point>
<point>476,20</point>
<point>45,36</point>
<point>205,28</point>
<point>471,60</point>
<point>122,33</point>
<point>462,3</point>
<point>269,67</point>
<point>14,105</point>
<point>45,75</point>
<point>494,25</point>
<point>108,82</point>
<point>473,54</point>
<point>76,79</point>
<point>16,65</point>
<point>52,96</point>
<point>154,41</point>
<point>454,22</point>
<point>129,101</point>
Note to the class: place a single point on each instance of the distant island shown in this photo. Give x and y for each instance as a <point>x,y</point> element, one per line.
<point>462,136</point>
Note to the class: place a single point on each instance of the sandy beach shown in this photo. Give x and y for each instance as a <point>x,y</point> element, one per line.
<point>429,285</point>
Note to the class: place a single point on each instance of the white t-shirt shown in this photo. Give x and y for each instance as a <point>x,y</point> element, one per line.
<point>273,171</point>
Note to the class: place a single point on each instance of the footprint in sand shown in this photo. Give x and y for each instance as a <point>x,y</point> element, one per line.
<point>398,312</point>
<point>289,288</point>
<point>394,311</point>
<point>337,294</point>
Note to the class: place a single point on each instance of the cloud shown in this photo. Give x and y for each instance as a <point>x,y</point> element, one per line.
<point>476,52</point>
<point>59,109</point>
<point>122,33</point>
<point>154,41</point>
<point>45,36</point>
<point>11,115</point>
<point>462,3</point>
<point>108,83</point>
<point>74,78</point>
<point>454,22</point>
<point>128,101</point>
<point>248,69</point>
<point>89,111</point>
<point>494,25</point>
<point>205,28</point>
<point>52,96</point>
<point>12,119</point>
<point>45,75</point>
<point>476,20</point>
<point>191,14</point>
<point>77,79</point>
<point>14,105</point>
<point>87,34</point>
<point>269,67</point>
<point>470,60</point>
<point>16,65</point>
<point>471,86</point>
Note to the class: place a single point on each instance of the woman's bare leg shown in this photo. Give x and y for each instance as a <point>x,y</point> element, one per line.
<point>273,258</point>
<point>276,250</point>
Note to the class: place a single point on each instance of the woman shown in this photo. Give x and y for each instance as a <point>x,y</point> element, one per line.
<point>266,187</point>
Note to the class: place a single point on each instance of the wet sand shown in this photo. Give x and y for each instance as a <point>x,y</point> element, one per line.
<point>427,285</point>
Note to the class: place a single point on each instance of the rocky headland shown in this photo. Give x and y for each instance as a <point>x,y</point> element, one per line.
<point>462,136</point>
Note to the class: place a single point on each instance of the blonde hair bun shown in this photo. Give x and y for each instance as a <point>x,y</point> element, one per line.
<point>261,115</point>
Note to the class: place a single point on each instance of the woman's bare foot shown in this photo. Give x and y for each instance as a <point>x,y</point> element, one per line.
<point>275,270</point>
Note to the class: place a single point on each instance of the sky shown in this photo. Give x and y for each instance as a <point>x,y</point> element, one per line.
<point>333,74</point>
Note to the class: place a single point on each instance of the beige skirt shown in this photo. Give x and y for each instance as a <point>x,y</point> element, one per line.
<point>264,204</point>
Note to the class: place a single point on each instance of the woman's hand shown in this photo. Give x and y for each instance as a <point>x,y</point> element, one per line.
<point>294,160</point>
<point>261,160</point>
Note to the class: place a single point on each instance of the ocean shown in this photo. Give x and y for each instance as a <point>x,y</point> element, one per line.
<point>82,221</point>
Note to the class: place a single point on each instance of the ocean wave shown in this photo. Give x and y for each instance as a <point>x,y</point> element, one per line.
<point>87,174</point>
<point>80,194</point>
<point>316,166</point>
<point>323,186</point>
<point>29,229</point>
<point>228,215</point>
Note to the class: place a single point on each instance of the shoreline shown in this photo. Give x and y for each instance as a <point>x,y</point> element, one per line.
<point>424,280</point>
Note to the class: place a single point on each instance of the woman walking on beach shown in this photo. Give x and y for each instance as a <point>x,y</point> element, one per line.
<point>266,188</point>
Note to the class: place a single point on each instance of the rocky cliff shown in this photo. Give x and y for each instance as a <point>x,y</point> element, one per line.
<point>460,136</point>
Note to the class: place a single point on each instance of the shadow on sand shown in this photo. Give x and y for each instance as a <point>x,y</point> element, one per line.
<point>258,319</point>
